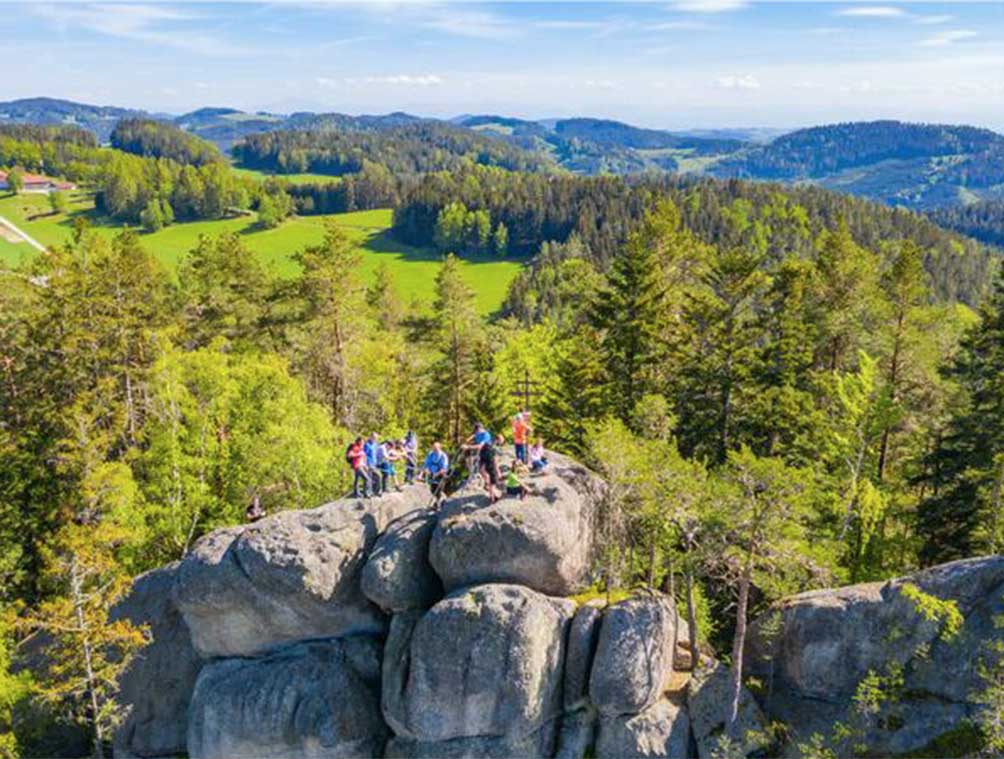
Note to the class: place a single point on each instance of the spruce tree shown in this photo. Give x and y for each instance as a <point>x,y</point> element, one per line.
<point>963,515</point>
<point>458,339</point>
<point>632,314</point>
<point>577,400</point>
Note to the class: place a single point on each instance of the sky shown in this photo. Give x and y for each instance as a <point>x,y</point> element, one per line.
<point>675,64</point>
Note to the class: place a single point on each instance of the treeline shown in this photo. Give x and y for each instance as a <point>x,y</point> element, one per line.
<point>158,139</point>
<point>373,187</point>
<point>152,192</point>
<point>405,150</point>
<point>981,221</point>
<point>601,211</point>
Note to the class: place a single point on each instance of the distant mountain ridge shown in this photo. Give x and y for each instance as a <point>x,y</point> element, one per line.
<point>918,166</point>
<point>915,165</point>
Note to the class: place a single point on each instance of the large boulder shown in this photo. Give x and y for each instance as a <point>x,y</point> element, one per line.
<point>483,662</point>
<point>397,576</point>
<point>582,638</point>
<point>815,648</point>
<point>709,703</point>
<point>537,745</point>
<point>544,542</point>
<point>319,700</point>
<point>634,655</point>
<point>662,731</point>
<point>248,590</point>
<point>157,685</point>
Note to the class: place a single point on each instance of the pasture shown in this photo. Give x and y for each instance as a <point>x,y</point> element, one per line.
<point>414,269</point>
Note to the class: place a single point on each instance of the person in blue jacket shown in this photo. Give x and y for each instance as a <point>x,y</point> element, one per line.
<point>435,469</point>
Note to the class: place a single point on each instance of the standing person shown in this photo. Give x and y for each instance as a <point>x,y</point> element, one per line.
<point>435,469</point>
<point>521,434</point>
<point>410,445</point>
<point>538,456</point>
<point>390,452</point>
<point>473,445</point>
<point>490,473</point>
<point>356,457</point>
<point>372,449</point>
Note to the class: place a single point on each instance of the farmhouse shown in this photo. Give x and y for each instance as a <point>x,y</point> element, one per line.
<point>37,183</point>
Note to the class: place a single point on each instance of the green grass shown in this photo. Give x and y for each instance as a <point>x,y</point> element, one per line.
<point>305,178</point>
<point>414,269</point>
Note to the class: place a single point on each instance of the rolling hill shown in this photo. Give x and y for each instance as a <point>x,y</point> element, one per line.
<point>917,166</point>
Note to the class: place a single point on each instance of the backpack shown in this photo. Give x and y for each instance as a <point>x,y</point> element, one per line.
<point>349,458</point>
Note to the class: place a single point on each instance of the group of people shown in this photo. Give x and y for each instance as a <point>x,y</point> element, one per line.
<point>375,463</point>
<point>482,452</point>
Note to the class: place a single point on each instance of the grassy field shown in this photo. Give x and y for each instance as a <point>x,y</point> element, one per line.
<point>414,269</point>
<point>291,178</point>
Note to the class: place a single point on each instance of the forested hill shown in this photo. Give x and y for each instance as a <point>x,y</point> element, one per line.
<point>448,210</point>
<point>600,146</point>
<point>982,221</point>
<point>404,150</point>
<point>48,111</point>
<point>915,165</point>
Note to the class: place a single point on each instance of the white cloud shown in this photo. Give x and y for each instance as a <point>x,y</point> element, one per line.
<point>469,23</point>
<point>933,20</point>
<point>153,24</point>
<point>601,84</point>
<point>874,11</point>
<point>826,31</point>
<point>709,6</point>
<point>681,26</point>
<point>747,82</point>
<point>405,80</point>
<point>944,39</point>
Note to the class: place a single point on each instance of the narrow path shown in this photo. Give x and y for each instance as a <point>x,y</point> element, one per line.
<point>23,235</point>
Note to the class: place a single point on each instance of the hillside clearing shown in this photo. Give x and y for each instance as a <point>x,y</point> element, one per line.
<point>414,269</point>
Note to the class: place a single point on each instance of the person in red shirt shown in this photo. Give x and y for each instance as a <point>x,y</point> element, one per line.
<point>521,434</point>
<point>355,455</point>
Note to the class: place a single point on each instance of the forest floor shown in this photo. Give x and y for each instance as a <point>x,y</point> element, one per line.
<point>414,269</point>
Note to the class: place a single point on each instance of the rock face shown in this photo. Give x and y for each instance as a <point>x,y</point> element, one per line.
<point>157,686</point>
<point>634,655</point>
<point>483,662</point>
<point>397,576</point>
<point>318,700</point>
<point>382,628</point>
<point>544,542</point>
<point>293,576</point>
<point>709,701</point>
<point>829,640</point>
<point>662,730</point>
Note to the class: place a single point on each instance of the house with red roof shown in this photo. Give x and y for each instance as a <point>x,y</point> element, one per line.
<point>37,183</point>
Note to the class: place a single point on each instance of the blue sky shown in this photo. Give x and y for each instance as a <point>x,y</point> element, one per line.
<point>683,64</point>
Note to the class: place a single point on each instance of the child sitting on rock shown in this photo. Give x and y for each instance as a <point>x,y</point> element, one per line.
<point>513,484</point>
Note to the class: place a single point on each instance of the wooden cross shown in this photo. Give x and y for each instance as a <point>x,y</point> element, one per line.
<point>525,389</point>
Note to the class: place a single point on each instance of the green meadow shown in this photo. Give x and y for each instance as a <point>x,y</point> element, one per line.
<point>414,269</point>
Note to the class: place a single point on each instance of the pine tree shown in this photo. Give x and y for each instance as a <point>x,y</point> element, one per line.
<point>718,366</point>
<point>845,299</point>
<point>577,399</point>
<point>783,412</point>
<point>458,341</point>
<point>328,328</point>
<point>905,287</point>
<point>225,291</point>
<point>631,314</point>
<point>965,512</point>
